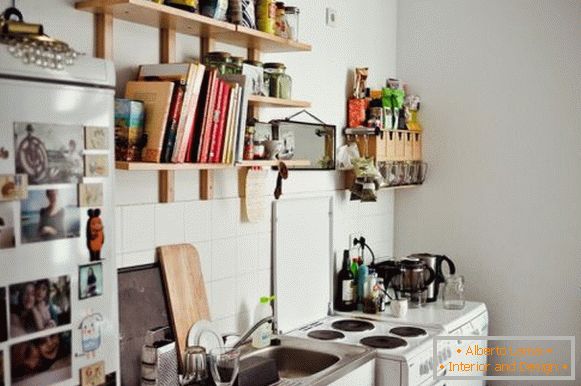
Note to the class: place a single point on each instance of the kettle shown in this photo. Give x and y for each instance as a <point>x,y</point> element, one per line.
<point>435,262</point>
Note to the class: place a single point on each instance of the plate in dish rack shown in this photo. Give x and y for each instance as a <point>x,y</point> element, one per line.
<point>204,334</point>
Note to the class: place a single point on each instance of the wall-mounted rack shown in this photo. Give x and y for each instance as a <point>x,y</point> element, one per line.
<point>171,21</point>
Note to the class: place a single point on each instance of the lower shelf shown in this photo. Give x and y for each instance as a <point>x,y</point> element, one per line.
<point>149,166</point>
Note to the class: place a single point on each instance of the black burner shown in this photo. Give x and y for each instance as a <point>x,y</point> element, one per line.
<point>325,335</point>
<point>352,325</point>
<point>408,332</point>
<point>383,341</point>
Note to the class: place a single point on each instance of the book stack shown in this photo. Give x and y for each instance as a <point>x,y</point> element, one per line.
<point>192,114</point>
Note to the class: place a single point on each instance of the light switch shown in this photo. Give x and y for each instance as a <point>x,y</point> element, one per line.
<point>331,17</point>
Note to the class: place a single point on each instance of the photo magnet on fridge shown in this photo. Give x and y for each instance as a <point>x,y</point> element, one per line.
<point>96,165</point>
<point>39,305</point>
<point>93,375</point>
<point>49,153</point>
<point>90,328</point>
<point>95,234</point>
<point>13,187</point>
<point>7,239</point>
<point>96,138</point>
<point>90,195</point>
<point>90,280</point>
<point>50,214</point>
<point>42,361</point>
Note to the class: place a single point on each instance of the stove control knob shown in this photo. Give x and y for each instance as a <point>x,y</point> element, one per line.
<point>423,369</point>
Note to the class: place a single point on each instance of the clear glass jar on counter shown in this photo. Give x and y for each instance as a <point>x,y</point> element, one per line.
<point>292,21</point>
<point>220,60</point>
<point>280,83</point>
<point>454,293</point>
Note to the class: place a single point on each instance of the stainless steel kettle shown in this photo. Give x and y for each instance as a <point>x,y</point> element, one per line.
<point>435,262</point>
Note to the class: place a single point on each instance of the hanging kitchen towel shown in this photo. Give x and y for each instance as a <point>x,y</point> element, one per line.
<point>248,14</point>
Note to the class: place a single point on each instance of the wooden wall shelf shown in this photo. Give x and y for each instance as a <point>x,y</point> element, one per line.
<point>149,166</point>
<point>162,16</point>
<point>261,101</point>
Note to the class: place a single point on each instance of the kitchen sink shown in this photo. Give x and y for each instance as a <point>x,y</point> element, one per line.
<point>297,363</point>
<point>304,362</point>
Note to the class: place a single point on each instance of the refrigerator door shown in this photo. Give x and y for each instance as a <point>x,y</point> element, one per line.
<point>81,326</point>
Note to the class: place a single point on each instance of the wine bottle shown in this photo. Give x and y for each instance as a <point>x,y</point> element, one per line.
<point>346,299</point>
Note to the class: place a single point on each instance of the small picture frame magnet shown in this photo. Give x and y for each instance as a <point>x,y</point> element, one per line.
<point>90,195</point>
<point>93,375</point>
<point>96,165</point>
<point>95,234</point>
<point>96,138</point>
<point>13,187</point>
<point>90,280</point>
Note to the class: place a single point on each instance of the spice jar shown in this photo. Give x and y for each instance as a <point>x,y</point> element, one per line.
<point>220,60</point>
<point>248,154</point>
<point>280,26</point>
<point>280,83</point>
<point>265,15</point>
<point>292,22</point>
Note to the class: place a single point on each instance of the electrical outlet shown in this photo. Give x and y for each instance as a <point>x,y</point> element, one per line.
<point>352,237</point>
<point>331,17</point>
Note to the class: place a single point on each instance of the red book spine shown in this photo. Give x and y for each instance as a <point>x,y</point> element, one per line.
<point>208,120</point>
<point>215,118</point>
<point>219,143</point>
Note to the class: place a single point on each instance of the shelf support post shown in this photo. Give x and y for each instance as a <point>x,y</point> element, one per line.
<point>104,36</point>
<point>206,185</point>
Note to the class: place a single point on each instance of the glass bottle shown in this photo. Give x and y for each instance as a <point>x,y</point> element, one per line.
<point>454,293</point>
<point>280,83</point>
<point>280,25</point>
<point>292,21</point>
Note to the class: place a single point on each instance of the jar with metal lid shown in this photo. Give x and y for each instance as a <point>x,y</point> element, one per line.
<point>280,83</point>
<point>220,60</point>
<point>292,21</point>
<point>236,65</point>
<point>280,25</point>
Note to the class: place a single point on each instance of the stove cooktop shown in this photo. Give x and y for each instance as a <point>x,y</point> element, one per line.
<point>383,342</point>
<point>352,325</point>
<point>408,331</point>
<point>326,335</point>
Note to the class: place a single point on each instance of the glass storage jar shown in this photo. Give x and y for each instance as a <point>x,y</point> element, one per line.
<point>454,293</point>
<point>236,65</point>
<point>292,21</point>
<point>280,25</point>
<point>220,60</point>
<point>280,83</point>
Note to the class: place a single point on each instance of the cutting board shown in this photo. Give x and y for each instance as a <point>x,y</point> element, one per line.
<point>185,290</point>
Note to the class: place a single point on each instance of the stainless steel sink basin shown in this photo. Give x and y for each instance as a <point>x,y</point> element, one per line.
<point>305,362</point>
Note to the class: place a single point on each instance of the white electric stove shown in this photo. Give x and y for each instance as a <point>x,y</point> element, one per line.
<point>472,321</point>
<point>404,351</point>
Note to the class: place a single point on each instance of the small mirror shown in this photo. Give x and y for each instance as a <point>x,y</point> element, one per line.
<point>306,141</point>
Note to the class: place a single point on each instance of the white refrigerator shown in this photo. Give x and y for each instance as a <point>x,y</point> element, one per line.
<point>58,282</point>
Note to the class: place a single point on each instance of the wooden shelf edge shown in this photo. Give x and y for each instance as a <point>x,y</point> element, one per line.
<point>276,102</point>
<point>146,12</point>
<point>267,163</point>
<point>147,166</point>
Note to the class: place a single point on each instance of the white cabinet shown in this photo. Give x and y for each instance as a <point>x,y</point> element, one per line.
<point>362,376</point>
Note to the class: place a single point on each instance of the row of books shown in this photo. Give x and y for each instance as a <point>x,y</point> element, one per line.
<point>192,114</point>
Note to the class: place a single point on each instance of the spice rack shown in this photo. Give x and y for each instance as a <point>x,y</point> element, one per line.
<point>392,145</point>
<point>170,21</point>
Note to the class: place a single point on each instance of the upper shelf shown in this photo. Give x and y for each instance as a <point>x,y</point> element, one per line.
<point>276,102</point>
<point>148,166</point>
<point>162,16</point>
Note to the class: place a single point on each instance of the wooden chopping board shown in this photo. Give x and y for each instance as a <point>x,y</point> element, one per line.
<point>185,290</point>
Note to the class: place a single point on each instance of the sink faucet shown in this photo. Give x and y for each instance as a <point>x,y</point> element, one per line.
<point>247,335</point>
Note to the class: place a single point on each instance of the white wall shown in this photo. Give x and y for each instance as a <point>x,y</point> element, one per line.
<point>501,88</point>
<point>236,256</point>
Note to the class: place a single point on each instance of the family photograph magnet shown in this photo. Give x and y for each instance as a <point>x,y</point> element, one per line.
<point>50,214</point>
<point>41,361</point>
<point>39,305</point>
<point>49,153</point>
<point>7,239</point>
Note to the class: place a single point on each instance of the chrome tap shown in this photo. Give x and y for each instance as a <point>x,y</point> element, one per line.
<point>243,340</point>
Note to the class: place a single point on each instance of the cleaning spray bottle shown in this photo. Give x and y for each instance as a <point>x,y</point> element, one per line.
<point>261,337</point>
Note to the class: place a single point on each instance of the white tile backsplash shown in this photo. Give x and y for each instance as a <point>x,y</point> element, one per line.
<point>138,228</point>
<point>235,256</point>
